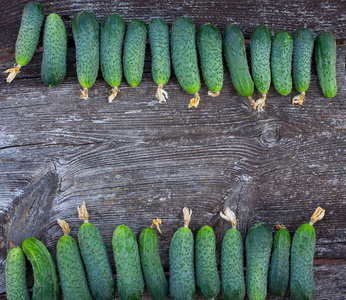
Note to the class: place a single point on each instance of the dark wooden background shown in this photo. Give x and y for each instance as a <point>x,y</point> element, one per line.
<point>135,160</point>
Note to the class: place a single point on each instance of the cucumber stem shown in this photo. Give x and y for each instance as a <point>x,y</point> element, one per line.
<point>65,227</point>
<point>187,216</point>
<point>161,94</point>
<point>261,102</point>
<point>156,224</point>
<point>83,213</point>
<point>280,226</point>
<point>84,94</point>
<point>229,216</point>
<point>317,215</point>
<point>13,72</point>
<point>252,102</point>
<point>11,245</point>
<point>210,93</point>
<point>298,99</point>
<point>195,101</point>
<point>115,91</point>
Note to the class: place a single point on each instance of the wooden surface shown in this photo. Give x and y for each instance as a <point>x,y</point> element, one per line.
<point>135,160</point>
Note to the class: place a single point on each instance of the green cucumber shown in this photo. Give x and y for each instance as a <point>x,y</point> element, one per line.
<point>154,275</point>
<point>184,56</point>
<point>73,280</point>
<point>207,276</point>
<point>126,255</point>
<point>53,68</point>
<point>85,29</point>
<point>281,62</point>
<point>111,47</point>
<point>28,35</point>
<point>232,265</point>
<point>210,53</point>
<point>134,51</point>
<point>161,60</point>
<point>325,60</point>
<point>280,262</point>
<point>302,257</point>
<point>258,245</point>
<point>46,284</point>
<point>303,45</point>
<point>95,258</point>
<point>15,274</point>
<point>182,284</point>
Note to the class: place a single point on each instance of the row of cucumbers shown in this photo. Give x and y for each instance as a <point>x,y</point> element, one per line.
<point>191,263</point>
<point>271,58</point>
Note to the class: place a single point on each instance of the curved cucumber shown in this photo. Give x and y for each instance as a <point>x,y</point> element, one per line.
<point>325,60</point>
<point>53,68</point>
<point>46,284</point>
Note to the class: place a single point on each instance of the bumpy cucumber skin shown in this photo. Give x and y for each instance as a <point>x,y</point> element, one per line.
<point>303,45</point>
<point>134,51</point>
<point>111,47</point>
<point>29,32</point>
<point>96,262</point>
<point>73,280</point>
<point>325,60</point>
<point>235,54</point>
<point>126,255</point>
<point>53,68</point>
<point>46,284</point>
<point>260,47</point>
<point>258,246</point>
<point>302,256</point>
<point>154,275</point>
<point>85,28</point>
<point>15,273</point>
<point>232,266</point>
<point>184,54</point>
<point>281,62</point>
<point>280,263</point>
<point>159,45</point>
<point>207,276</point>
<point>182,284</point>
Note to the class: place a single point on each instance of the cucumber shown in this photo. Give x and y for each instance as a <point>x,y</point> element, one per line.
<point>182,284</point>
<point>281,62</point>
<point>303,45</point>
<point>53,68</point>
<point>46,284</point>
<point>15,274</point>
<point>232,265</point>
<point>325,60</point>
<point>134,51</point>
<point>73,281</point>
<point>279,264</point>
<point>161,60</point>
<point>207,275</point>
<point>260,47</point>
<point>184,57</point>
<point>111,47</point>
<point>28,35</point>
<point>209,46</point>
<point>154,275</point>
<point>95,258</point>
<point>126,255</point>
<point>302,256</point>
<point>258,245</point>
<point>85,29</point>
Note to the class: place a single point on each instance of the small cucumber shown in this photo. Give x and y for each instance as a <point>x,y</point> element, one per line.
<point>111,47</point>
<point>182,284</point>
<point>302,257</point>
<point>46,282</point>
<point>53,68</point>
<point>280,262</point>
<point>258,245</point>
<point>95,258</point>
<point>85,29</point>
<point>207,275</point>
<point>281,62</point>
<point>15,273</point>
<point>325,60</point>
<point>28,35</point>
<point>161,60</point>
<point>154,275</point>
<point>73,281</point>
<point>126,255</point>
<point>232,265</point>
<point>134,51</point>
<point>210,53</point>
<point>184,57</point>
